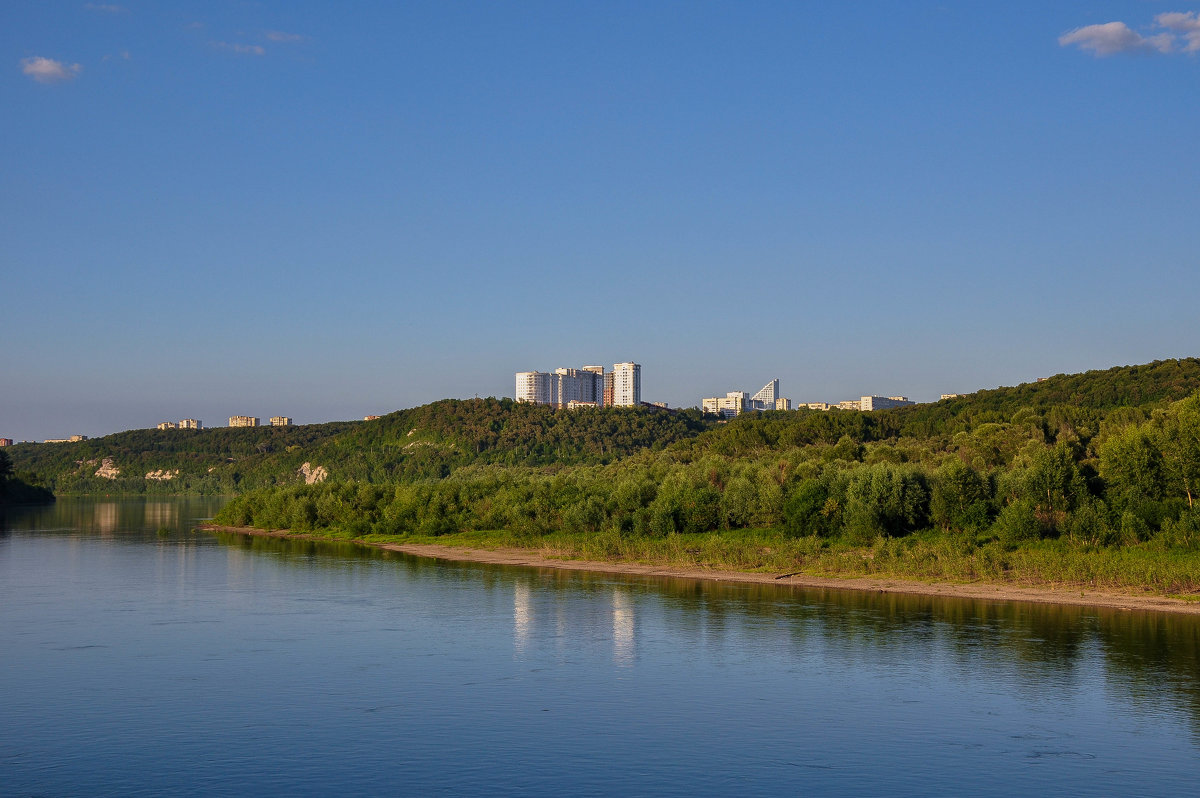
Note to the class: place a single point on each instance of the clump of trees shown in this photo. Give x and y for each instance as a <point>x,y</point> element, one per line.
<point>20,488</point>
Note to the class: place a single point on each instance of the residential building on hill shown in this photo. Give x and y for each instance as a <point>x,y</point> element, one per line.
<point>243,421</point>
<point>6,441</point>
<point>869,403</point>
<point>166,425</point>
<point>589,386</point>
<point>737,402</point>
<point>191,423</point>
<point>281,421</point>
<point>627,385</point>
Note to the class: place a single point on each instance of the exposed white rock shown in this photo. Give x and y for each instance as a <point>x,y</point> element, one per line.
<point>312,475</point>
<point>107,470</point>
<point>162,474</point>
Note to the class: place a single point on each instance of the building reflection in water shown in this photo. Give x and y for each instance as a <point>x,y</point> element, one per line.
<point>522,616</point>
<point>622,624</point>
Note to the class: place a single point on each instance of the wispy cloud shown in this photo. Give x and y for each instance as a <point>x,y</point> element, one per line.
<point>237,47</point>
<point>1185,24</point>
<point>287,38</point>
<point>105,8</point>
<point>1173,31</point>
<point>47,70</point>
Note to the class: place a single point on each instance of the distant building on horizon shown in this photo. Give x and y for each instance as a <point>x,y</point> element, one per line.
<point>166,425</point>
<point>72,439</point>
<point>868,403</point>
<point>589,386</point>
<point>191,423</point>
<point>370,418</point>
<point>281,421</point>
<point>243,421</point>
<point>6,441</point>
<point>735,403</point>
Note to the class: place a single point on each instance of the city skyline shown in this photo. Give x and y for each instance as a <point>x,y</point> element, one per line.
<point>216,208</point>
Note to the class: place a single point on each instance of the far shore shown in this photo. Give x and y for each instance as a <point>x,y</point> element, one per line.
<point>1041,594</point>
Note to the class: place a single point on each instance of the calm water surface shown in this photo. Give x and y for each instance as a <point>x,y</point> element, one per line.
<point>138,657</point>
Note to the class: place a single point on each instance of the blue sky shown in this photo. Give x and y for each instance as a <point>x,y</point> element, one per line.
<point>325,210</point>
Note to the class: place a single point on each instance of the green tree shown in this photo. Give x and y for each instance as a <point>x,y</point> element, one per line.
<point>1178,436</point>
<point>960,498</point>
<point>885,499</point>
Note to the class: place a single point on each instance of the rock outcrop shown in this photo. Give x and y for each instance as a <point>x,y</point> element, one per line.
<point>312,475</point>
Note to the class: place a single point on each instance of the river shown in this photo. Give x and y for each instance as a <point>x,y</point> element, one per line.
<point>141,657</point>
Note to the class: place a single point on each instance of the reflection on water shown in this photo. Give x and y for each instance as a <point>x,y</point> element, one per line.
<point>622,624</point>
<point>165,649</point>
<point>522,616</point>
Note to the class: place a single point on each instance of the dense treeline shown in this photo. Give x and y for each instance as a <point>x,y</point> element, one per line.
<point>1126,478</point>
<point>20,487</point>
<point>425,442</point>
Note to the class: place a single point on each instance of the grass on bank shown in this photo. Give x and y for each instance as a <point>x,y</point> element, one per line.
<point>929,557</point>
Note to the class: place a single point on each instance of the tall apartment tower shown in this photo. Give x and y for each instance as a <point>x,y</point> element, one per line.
<point>627,384</point>
<point>533,386</point>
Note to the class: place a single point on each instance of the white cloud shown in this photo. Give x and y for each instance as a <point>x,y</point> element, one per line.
<point>1177,31</point>
<point>47,70</point>
<point>244,49</point>
<point>1115,37</point>
<point>280,36</point>
<point>1186,24</point>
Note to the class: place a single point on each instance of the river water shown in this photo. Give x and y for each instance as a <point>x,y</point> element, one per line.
<point>140,657</point>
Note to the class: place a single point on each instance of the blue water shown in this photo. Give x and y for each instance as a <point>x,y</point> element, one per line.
<point>138,657</point>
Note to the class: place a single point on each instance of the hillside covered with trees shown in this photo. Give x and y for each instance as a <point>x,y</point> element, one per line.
<point>1081,468</point>
<point>426,442</point>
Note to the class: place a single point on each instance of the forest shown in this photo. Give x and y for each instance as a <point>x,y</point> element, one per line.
<point>427,442</point>
<point>1089,479</point>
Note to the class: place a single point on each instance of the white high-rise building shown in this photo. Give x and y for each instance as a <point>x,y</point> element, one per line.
<point>766,396</point>
<point>562,387</point>
<point>627,384</point>
<point>533,386</point>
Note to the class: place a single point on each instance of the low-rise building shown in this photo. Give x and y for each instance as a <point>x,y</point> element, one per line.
<point>281,421</point>
<point>166,425</point>
<point>868,403</point>
<point>243,421</point>
<point>736,402</point>
<point>72,439</point>
<point>370,418</point>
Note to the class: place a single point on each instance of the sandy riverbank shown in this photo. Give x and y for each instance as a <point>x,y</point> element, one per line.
<point>974,590</point>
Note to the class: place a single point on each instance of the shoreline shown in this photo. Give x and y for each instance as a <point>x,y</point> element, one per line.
<point>990,591</point>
